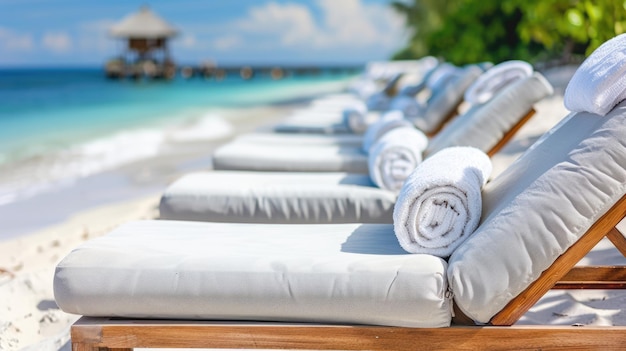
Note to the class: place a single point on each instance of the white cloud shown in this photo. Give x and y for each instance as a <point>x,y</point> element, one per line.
<point>327,30</point>
<point>227,43</point>
<point>352,23</point>
<point>93,36</point>
<point>12,41</point>
<point>343,24</point>
<point>57,41</point>
<point>188,41</point>
<point>390,24</point>
<point>292,23</point>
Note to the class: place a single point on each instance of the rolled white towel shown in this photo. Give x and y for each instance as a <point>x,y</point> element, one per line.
<point>440,76</point>
<point>495,79</point>
<point>412,89</point>
<point>387,122</point>
<point>356,118</point>
<point>440,204</point>
<point>394,156</point>
<point>599,84</point>
<point>416,87</point>
<point>410,107</point>
<point>379,101</point>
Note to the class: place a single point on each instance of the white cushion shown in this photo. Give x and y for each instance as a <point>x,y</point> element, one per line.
<point>442,103</point>
<point>267,197</point>
<point>484,125</point>
<point>313,122</point>
<point>538,207</point>
<point>286,139</point>
<point>349,273</point>
<point>251,156</point>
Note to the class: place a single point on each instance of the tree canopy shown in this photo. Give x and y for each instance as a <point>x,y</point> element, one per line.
<point>467,31</point>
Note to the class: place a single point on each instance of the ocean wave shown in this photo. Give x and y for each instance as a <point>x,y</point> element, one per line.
<point>26,178</point>
<point>208,127</point>
<point>109,152</point>
<point>22,179</point>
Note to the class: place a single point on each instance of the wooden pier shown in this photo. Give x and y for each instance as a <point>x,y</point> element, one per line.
<point>266,71</point>
<point>219,73</point>
<point>145,55</point>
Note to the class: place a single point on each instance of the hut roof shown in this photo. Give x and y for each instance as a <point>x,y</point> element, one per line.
<point>143,24</point>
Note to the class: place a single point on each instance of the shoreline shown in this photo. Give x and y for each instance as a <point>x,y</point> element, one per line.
<point>105,128</point>
<point>140,177</point>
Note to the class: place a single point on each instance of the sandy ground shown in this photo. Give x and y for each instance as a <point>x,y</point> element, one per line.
<point>29,316</point>
<point>30,319</point>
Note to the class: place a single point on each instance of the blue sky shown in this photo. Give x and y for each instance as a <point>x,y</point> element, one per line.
<point>74,32</point>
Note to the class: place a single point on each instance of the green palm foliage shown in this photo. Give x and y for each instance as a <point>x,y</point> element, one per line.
<point>465,31</point>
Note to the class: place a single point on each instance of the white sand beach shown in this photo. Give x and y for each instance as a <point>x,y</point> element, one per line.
<point>30,319</point>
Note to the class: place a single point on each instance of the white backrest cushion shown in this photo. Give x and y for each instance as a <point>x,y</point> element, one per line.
<point>483,126</point>
<point>538,207</point>
<point>442,103</point>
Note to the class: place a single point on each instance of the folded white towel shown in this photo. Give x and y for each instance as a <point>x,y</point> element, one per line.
<point>495,79</point>
<point>395,155</point>
<point>599,84</point>
<point>440,204</point>
<point>387,122</point>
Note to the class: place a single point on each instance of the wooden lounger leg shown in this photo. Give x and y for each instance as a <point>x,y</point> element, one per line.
<point>605,226</point>
<point>594,277</point>
<point>598,277</point>
<point>618,240</point>
<point>453,112</point>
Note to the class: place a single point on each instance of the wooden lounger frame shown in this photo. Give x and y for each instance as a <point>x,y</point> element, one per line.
<point>508,135</point>
<point>453,113</point>
<point>91,334</point>
<point>511,133</point>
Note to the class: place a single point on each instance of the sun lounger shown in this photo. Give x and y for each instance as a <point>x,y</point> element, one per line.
<point>339,101</point>
<point>336,197</point>
<point>486,126</point>
<point>350,286</point>
<point>285,139</point>
<point>381,72</point>
<point>374,91</point>
<point>440,107</point>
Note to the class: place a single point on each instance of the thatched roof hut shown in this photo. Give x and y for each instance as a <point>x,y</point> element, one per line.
<point>144,24</point>
<point>146,34</point>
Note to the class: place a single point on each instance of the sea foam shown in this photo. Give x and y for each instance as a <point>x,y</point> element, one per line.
<point>40,173</point>
<point>209,127</point>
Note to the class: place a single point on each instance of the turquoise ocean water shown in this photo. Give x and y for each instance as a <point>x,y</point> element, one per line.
<point>60,126</point>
